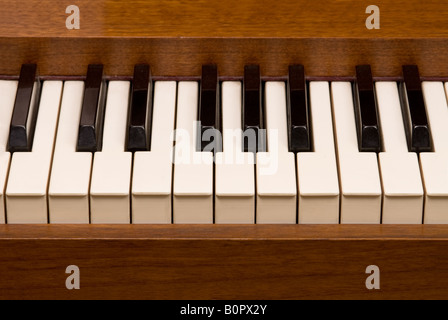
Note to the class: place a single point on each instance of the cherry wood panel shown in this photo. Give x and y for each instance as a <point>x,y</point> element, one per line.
<point>185,56</point>
<point>225,19</point>
<point>223,262</point>
<point>177,37</point>
<point>219,231</point>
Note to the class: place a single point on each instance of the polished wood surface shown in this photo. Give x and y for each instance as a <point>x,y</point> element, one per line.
<point>223,232</point>
<point>177,37</point>
<point>406,19</point>
<point>223,262</point>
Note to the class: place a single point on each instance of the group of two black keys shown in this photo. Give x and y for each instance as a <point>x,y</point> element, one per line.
<point>209,111</point>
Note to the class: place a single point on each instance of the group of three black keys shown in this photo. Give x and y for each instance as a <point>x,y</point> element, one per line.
<point>209,111</point>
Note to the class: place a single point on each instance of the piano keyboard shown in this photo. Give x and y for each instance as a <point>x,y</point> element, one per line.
<point>231,152</point>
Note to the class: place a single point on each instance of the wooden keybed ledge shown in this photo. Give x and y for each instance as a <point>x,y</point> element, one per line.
<point>222,232</point>
<point>224,261</point>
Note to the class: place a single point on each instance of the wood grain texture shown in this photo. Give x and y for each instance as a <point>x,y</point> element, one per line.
<point>177,37</point>
<point>223,262</point>
<point>184,57</point>
<point>225,232</point>
<point>223,19</point>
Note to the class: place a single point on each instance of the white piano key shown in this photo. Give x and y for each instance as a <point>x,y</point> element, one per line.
<point>68,195</point>
<point>193,171</point>
<point>359,175</point>
<point>399,169</point>
<point>235,180</point>
<point>26,192</point>
<point>111,173</point>
<point>152,172</point>
<point>8,91</point>
<point>434,165</point>
<point>317,173</point>
<point>275,169</point>
<point>435,95</point>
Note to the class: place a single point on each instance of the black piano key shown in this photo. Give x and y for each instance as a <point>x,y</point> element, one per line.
<point>209,116</point>
<point>91,122</point>
<point>297,109</point>
<point>366,111</point>
<point>23,121</point>
<point>139,129</point>
<point>254,138</point>
<point>414,112</point>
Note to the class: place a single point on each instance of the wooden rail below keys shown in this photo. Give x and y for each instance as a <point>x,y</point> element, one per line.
<point>223,261</point>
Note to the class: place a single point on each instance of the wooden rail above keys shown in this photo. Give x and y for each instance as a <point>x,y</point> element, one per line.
<point>177,37</point>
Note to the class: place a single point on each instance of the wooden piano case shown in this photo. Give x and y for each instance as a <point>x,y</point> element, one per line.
<point>224,261</point>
